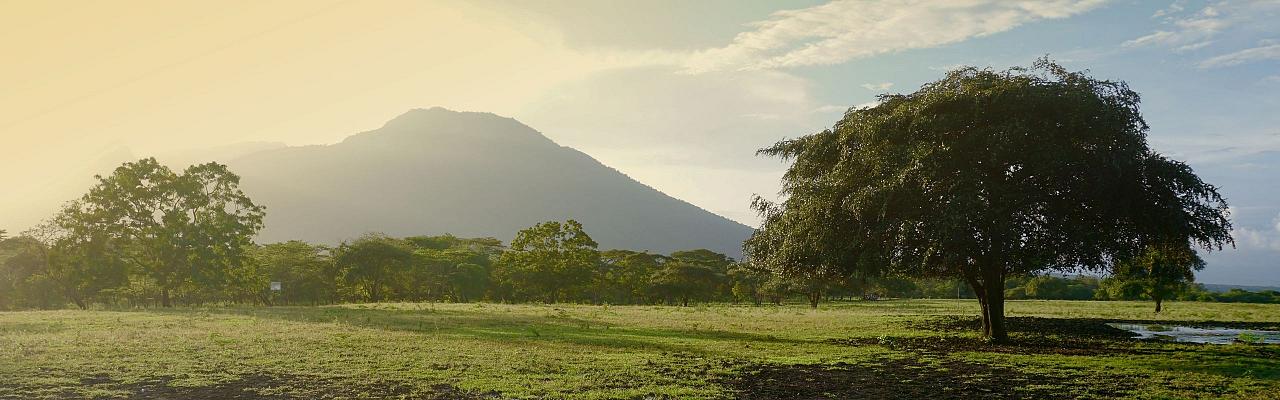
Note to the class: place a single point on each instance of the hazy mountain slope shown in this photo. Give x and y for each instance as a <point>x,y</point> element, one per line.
<point>470,174</point>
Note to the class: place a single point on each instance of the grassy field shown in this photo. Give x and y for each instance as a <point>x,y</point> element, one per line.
<point>905,349</point>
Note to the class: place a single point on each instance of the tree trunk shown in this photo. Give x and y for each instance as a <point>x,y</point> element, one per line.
<point>1158,301</point>
<point>981,293</point>
<point>989,289</point>
<point>993,282</point>
<point>995,330</point>
<point>80,303</point>
<point>164,297</point>
<point>814,297</point>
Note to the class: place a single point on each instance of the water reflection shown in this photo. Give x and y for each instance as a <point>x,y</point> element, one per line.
<point>1189,334</point>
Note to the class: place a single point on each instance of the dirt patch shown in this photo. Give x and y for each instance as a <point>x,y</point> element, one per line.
<point>913,379</point>
<point>265,386</point>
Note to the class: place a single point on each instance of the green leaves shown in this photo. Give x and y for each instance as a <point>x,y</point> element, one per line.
<point>174,228</point>
<point>549,257</point>
<point>983,174</point>
<point>373,262</point>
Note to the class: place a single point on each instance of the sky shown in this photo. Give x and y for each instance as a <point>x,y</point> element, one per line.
<point>676,94</point>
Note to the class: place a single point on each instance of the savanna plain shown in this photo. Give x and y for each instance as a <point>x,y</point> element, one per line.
<point>850,349</point>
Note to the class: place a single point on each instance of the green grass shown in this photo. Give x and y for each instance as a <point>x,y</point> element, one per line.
<point>589,352</point>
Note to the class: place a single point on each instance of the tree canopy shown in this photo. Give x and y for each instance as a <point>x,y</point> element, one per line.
<point>981,175</point>
<point>1160,271</point>
<point>177,229</point>
<point>372,263</point>
<point>551,256</point>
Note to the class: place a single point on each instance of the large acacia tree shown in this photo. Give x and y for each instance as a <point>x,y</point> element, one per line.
<point>985,174</point>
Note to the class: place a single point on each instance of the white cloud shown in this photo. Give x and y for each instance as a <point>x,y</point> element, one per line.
<point>1259,238</point>
<point>1202,28</point>
<point>1174,8</point>
<point>1209,149</point>
<point>844,30</point>
<point>877,87</point>
<point>829,108</point>
<point>1194,46</point>
<point>1157,37</point>
<point>1189,30</point>
<point>1259,53</point>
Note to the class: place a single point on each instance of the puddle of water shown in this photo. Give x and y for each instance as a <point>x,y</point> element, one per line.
<point>1189,334</point>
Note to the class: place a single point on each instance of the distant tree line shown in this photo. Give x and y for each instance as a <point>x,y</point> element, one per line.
<point>550,262</point>
<point>149,236</point>
<point>1079,287</point>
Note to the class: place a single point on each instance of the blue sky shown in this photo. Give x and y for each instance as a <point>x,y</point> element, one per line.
<point>1209,73</point>
<point>677,94</point>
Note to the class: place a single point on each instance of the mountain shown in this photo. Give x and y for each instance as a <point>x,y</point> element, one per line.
<point>434,171</point>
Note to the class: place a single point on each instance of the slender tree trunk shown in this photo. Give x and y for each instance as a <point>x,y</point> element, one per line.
<point>1158,301</point>
<point>981,293</point>
<point>164,297</point>
<point>814,297</point>
<point>80,303</point>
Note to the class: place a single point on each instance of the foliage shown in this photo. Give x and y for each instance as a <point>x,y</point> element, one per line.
<point>684,281</point>
<point>1161,271</point>
<point>180,230</point>
<point>549,258</point>
<point>1049,287</point>
<point>306,273</point>
<point>624,276</point>
<point>748,283</point>
<point>372,263</point>
<point>984,175</point>
<point>450,268</point>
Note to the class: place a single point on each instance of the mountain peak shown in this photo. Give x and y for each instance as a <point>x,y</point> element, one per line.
<point>418,115</point>
<point>425,117</point>
<point>439,124</point>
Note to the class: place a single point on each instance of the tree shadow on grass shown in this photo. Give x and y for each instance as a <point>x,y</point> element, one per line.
<point>556,327</point>
<point>907,378</point>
